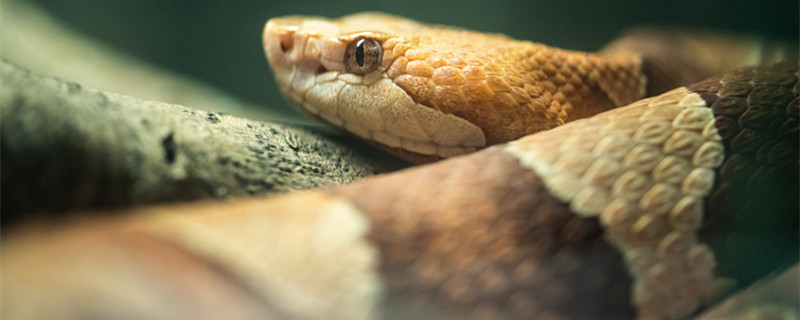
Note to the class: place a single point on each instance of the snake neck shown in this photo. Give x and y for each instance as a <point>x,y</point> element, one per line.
<point>513,88</point>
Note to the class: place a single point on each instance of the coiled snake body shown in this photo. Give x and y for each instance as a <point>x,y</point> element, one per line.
<point>656,208</point>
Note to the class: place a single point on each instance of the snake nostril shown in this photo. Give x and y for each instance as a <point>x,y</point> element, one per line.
<point>321,69</point>
<point>286,41</point>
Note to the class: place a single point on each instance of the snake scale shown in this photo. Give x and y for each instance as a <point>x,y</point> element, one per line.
<point>567,194</point>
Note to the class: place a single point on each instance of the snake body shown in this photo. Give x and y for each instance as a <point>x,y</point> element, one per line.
<point>670,183</point>
<point>661,207</point>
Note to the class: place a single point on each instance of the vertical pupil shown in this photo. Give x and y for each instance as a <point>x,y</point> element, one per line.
<point>360,53</point>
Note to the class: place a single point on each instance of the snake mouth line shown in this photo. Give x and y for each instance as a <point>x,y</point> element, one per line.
<point>300,99</point>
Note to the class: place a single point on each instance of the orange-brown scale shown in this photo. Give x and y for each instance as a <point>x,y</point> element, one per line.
<point>509,88</point>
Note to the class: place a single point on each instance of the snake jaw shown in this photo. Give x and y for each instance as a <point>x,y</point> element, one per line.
<point>307,59</point>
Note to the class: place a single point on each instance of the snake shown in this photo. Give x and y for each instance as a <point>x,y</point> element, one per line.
<point>643,181</point>
<point>669,182</point>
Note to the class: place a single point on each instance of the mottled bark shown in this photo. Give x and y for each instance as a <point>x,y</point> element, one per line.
<point>65,146</point>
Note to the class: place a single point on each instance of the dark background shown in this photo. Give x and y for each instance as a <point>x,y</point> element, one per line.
<point>219,41</point>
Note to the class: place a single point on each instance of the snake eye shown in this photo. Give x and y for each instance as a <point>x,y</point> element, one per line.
<point>363,56</point>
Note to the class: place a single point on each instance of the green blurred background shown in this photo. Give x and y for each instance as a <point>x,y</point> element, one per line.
<point>220,41</point>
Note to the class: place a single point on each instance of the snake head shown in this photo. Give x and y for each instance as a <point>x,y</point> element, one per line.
<point>439,91</point>
<point>341,71</point>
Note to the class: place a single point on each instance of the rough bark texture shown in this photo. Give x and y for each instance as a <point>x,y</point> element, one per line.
<point>65,146</point>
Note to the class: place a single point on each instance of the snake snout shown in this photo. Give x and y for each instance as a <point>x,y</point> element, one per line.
<point>278,42</point>
<point>286,42</point>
